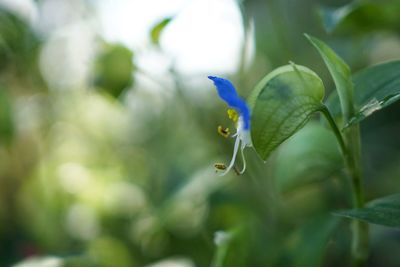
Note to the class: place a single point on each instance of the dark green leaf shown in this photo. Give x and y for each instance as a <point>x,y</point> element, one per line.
<point>312,155</point>
<point>341,75</point>
<point>158,29</point>
<point>382,211</point>
<point>375,88</point>
<point>281,104</point>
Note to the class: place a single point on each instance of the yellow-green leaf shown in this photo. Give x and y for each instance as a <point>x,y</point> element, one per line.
<point>158,29</point>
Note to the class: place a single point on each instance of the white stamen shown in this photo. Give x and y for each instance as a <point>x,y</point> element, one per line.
<point>235,150</point>
<point>243,140</point>
<point>243,158</point>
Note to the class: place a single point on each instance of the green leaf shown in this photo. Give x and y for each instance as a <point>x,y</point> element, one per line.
<point>375,88</point>
<point>341,75</point>
<point>382,211</point>
<point>281,104</point>
<point>157,29</point>
<point>362,17</point>
<point>312,155</point>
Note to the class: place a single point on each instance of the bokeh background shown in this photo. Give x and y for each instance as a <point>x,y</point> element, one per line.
<point>108,134</point>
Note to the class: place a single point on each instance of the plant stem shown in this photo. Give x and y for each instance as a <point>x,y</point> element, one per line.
<point>351,149</point>
<point>359,228</point>
<point>335,129</point>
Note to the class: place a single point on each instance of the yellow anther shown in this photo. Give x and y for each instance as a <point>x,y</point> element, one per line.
<point>223,131</point>
<point>233,115</point>
<point>220,166</point>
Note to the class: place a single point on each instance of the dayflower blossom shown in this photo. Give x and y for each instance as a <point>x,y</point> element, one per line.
<point>240,114</point>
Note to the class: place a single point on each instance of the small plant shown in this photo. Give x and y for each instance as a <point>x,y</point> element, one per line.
<point>283,102</point>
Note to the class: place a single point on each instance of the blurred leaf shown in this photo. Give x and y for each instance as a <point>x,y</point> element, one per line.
<point>110,252</point>
<point>311,241</point>
<point>281,104</point>
<point>312,155</point>
<point>362,16</point>
<point>78,261</point>
<point>6,121</point>
<point>340,73</point>
<point>382,211</point>
<point>331,17</point>
<point>375,88</point>
<point>114,69</point>
<point>157,30</point>
<point>19,45</point>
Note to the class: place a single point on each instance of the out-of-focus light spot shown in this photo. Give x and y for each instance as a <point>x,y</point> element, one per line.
<point>55,14</point>
<point>124,198</point>
<point>130,21</point>
<point>206,37</point>
<point>73,177</point>
<point>81,222</point>
<point>146,231</point>
<point>156,64</point>
<point>29,113</point>
<point>68,143</point>
<point>102,117</point>
<point>388,48</point>
<point>186,216</point>
<point>25,9</point>
<point>173,262</point>
<point>66,57</point>
<point>108,251</point>
<point>221,238</point>
<point>41,262</point>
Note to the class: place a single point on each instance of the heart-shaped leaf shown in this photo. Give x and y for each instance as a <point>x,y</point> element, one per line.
<point>382,211</point>
<point>281,104</point>
<point>375,88</point>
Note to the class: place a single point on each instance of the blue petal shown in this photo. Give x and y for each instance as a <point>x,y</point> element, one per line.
<point>227,92</point>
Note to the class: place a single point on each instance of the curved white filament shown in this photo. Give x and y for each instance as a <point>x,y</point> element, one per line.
<point>235,150</point>
<point>243,158</point>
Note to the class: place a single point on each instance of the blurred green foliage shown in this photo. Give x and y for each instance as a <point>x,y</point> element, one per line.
<point>362,17</point>
<point>114,69</point>
<point>6,120</point>
<point>89,180</point>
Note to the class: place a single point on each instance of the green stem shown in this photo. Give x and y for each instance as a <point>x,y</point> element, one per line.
<point>324,110</point>
<point>219,257</point>
<point>351,149</point>
<point>359,228</point>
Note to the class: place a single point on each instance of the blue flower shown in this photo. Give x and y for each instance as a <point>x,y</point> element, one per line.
<point>227,92</point>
